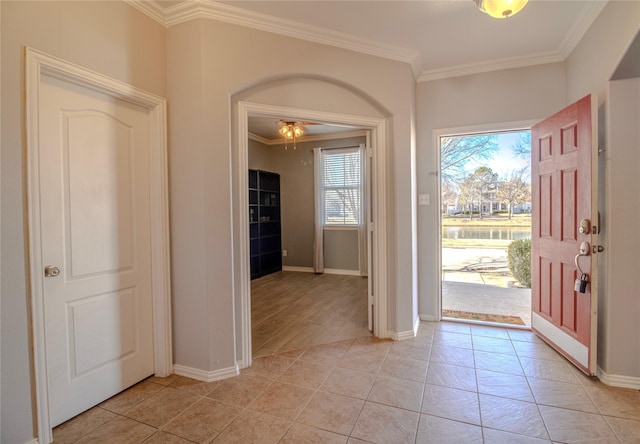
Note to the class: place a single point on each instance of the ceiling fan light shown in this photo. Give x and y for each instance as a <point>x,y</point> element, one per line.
<point>290,130</point>
<point>283,129</point>
<point>501,8</point>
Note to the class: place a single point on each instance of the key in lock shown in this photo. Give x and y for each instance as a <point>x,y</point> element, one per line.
<point>580,285</point>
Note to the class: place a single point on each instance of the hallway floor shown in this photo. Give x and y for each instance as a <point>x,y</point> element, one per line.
<point>453,383</point>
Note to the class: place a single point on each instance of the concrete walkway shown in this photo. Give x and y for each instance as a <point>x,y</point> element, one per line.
<point>478,280</point>
<point>489,299</point>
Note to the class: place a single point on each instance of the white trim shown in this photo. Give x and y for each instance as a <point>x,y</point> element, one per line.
<point>595,258</point>
<point>342,272</point>
<point>37,65</point>
<point>580,27</point>
<point>198,9</point>
<point>401,336</point>
<point>240,183</point>
<point>314,138</point>
<point>326,270</point>
<point>632,382</point>
<point>486,128</point>
<point>206,376</point>
<point>151,9</point>
<point>33,441</point>
<point>568,344</point>
<point>416,326</point>
<point>571,40</point>
<point>340,228</point>
<point>519,125</point>
<point>489,66</point>
<point>297,269</point>
<point>238,16</point>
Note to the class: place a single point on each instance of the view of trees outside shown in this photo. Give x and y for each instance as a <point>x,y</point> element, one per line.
<point>486,204</point>
<point>471,185</point>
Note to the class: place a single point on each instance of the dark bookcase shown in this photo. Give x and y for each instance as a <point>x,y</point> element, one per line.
<point>264,223</point>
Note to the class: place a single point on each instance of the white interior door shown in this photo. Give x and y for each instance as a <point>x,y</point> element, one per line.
<point>95,229</point>
<point>366,248</point>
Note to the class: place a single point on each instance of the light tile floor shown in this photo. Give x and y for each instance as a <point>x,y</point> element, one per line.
<point>453,383</point>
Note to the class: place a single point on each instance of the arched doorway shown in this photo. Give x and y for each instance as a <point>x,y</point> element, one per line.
<point>377,233</point>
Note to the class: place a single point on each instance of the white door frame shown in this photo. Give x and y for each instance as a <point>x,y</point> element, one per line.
<point>39,64</point>
<point>377,126</point>
<point>521,125</point>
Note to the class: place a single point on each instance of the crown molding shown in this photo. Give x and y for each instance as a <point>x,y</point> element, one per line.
<point>151,9</point>
<point>581,27</point>
<point>262,140</point>
<point>198,9</point>
<point>492,65</point>
<point>569,43</point>
<point>316,138</point>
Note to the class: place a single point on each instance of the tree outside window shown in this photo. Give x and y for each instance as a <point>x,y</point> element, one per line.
<point>342,187</point>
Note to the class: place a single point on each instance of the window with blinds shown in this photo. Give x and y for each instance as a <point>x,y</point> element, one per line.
<point>342,187</point>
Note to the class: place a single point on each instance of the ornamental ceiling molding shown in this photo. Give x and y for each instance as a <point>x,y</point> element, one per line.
<point>313,138</point>
<point>199,9</point>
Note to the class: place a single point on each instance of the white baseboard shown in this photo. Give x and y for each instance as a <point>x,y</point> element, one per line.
<point>401,335</point>
<point>203,375</point>
<point>631,382</point>
<point>326,270</point>
<point>298,269</point>
<point>431,318</point>
<point>342,272</point>
<point>33,441</point>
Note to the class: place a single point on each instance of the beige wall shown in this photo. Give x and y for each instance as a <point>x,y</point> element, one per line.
<point>109,37</point>
<point>533,93</point>
<point>589,68</point>
<point>296,175</point>
<point>595,58</point>
<point>248,66</point>
<point>259,156</point>
<point>341,250</point>
<point>296,190</point>
<point>204,67</point>
<point>484,99</point>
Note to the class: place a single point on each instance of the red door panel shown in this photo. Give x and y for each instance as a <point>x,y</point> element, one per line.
<point>563,150</point>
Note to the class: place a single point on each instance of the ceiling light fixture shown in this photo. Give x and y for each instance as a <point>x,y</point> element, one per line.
<point>501,8</point>
<point>290,131</point>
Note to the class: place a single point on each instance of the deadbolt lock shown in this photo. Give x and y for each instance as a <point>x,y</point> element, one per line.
<point>585,226</point>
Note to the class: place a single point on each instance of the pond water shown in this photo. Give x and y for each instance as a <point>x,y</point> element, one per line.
<point>493,233</point>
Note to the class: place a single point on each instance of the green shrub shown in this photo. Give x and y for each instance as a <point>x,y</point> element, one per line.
<point>519,260</point>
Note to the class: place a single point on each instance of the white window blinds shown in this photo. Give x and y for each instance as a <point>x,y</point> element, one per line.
<point>342,186</point>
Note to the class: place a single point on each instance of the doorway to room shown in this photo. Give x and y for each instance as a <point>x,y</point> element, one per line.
<point>307,194</point>
<point>485,217</point>
<point>376,219</point>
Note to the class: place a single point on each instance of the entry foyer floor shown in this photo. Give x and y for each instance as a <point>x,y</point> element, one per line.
<point>453,383</point>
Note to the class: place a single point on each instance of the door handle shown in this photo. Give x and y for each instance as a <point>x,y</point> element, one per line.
<point>584,251</point>
<point>51,271</point>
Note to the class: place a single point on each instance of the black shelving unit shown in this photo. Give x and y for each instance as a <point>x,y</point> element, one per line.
<point>264,223</point>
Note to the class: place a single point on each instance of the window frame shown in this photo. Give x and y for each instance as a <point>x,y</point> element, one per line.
<point>359,188</point>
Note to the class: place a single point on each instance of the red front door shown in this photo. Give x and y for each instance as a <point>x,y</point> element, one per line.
<point>564,192</point>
